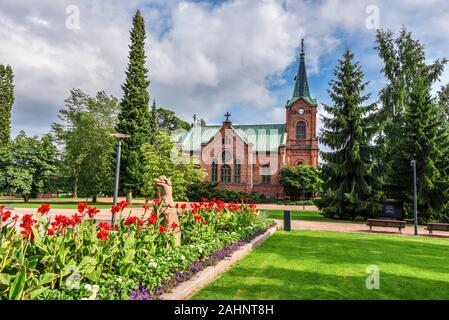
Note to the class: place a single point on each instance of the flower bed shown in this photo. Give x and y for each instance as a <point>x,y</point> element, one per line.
<point>77,258</point>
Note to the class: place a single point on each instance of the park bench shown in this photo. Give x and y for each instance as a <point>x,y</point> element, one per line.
<point>386,223</point>
<point>437,227</point>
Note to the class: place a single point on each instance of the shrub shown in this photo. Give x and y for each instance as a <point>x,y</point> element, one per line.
<point>209,190</point>
<point>300,182</point>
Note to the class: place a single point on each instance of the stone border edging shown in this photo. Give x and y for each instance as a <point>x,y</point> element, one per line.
<point>187,289</point>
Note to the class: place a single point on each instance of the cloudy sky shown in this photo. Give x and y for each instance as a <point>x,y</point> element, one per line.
<point>204,57</point>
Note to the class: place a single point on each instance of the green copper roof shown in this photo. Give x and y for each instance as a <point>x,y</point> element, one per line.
<point>264,137</point>
<point>301,89</point>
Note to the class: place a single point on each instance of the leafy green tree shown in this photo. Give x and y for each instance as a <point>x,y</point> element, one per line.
<point>134,117</point>
<point>167,119</point>
<point>415,126</point>
<point>300,182</point>
<point>46,164</point>
<point>6,102</point>
<point>31,166</point>
<point>164,159</point>
<point>84,134</point>
<point>350,173</point>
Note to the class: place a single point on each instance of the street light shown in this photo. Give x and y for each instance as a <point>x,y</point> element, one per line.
<point>415,197</point>
<point>119,137</point>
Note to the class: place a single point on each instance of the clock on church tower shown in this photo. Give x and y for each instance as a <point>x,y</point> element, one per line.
<point>301,110</point>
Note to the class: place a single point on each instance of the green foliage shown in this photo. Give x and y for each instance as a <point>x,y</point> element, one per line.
<point>6,102</point>
<point>351,173</point>
<point>300,182</point>
<point>162,158</point>
<point>443,100</point>
<point>134,117</point>
<point>87,122</point>
<point>30,165</point>
<point>415,125</point>
<point>167,119</point>
<point>209,190</point>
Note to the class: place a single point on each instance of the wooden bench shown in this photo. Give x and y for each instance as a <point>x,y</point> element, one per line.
<point>437,227</point>
<point>386,223</point>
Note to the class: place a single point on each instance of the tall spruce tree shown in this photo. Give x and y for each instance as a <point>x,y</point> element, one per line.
<point>352,184</point>
<point>6,102</point>
<point>413,124</point>
<point>443,100</point>
<point>134,117</point>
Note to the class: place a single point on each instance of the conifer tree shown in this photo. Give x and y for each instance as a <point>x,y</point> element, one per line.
<point>352,186</point>
<point>414,127</point>
<point>6,102</point>
<point>134,117</point>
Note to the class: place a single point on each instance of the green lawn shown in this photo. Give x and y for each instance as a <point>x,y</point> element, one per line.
<point>307,215</point>
<point>331,265</point>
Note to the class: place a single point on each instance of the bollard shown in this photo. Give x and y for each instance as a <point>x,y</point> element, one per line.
<point>287,220</point>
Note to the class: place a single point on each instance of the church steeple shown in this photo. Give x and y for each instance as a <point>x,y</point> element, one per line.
<point>301,83</point>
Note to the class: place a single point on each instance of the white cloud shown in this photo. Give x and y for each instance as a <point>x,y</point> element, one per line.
<point>202,58</point>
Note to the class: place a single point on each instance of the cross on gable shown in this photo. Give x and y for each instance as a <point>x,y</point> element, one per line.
<point>227,115</point>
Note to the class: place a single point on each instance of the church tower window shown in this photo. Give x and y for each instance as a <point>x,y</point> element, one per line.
<point>300,130</point>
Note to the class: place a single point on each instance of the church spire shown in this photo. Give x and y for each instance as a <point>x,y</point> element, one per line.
<point>301,83</point>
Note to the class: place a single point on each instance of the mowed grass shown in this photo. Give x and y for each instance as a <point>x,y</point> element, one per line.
<point>305,215</point>
<point>329,265</point>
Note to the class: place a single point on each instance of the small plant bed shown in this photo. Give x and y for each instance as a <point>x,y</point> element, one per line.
<point>76,257</point>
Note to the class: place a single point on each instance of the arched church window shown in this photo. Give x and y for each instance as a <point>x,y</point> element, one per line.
<point>237,170</point>
<point>226,156</point>
<point>214,173</point>
<point>225,173</point>
<point>300,130</point>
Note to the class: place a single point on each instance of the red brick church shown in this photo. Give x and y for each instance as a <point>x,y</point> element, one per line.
<point>248,157</point>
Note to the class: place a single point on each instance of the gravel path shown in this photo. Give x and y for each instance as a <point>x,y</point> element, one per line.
<point>358,228</point>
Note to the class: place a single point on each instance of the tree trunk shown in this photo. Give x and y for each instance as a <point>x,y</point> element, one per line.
<point>26,199</point>
<point>129,197</point>
<point>94,198</point>
<point>75,189</point>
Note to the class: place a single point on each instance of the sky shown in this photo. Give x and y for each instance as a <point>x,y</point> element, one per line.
<point>204,57</point>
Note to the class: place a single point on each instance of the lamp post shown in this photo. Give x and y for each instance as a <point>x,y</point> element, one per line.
<point>119,137</point>
<point>415,197</point>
